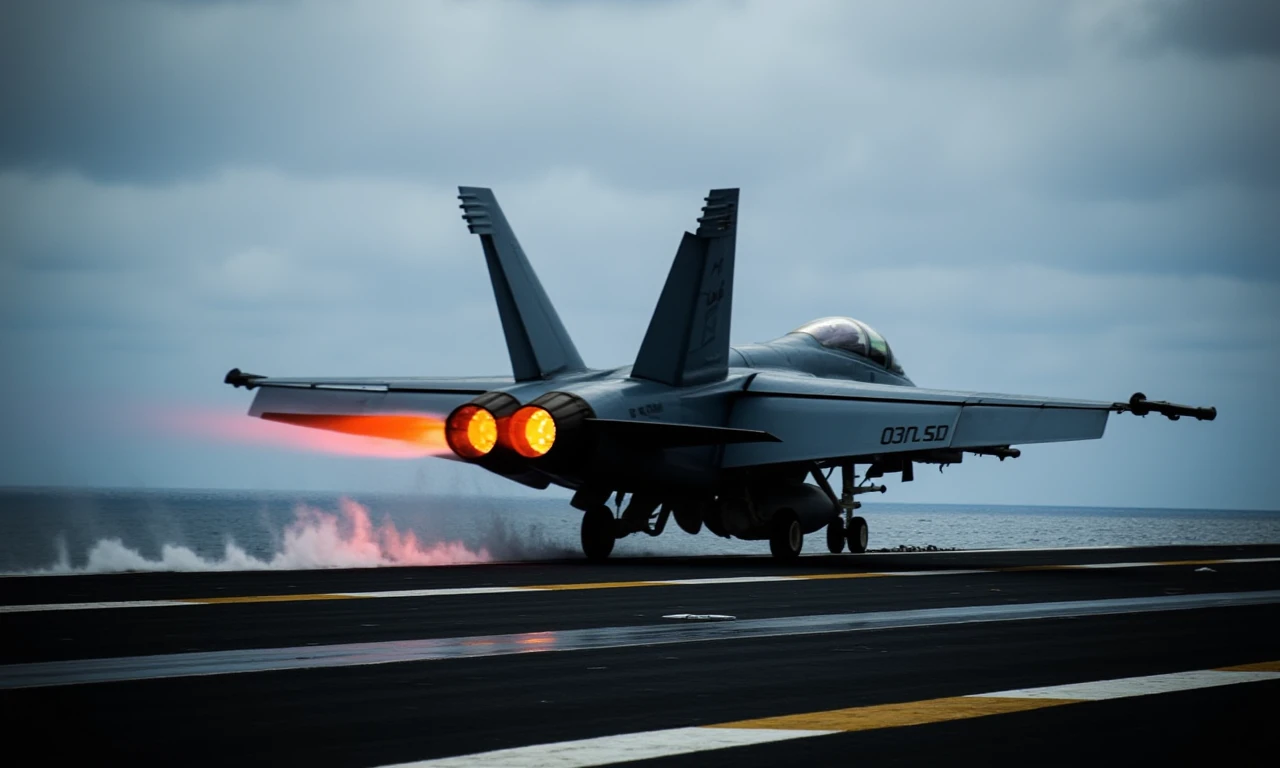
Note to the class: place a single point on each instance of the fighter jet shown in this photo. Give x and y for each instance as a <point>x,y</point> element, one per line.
<point>718,437</point>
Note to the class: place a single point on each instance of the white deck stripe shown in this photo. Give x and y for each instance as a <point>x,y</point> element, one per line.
<point>1136,686</point>
<point>679,741</point>
<point>455,591</point>
<point>93,606</point>
<point>618,749</point>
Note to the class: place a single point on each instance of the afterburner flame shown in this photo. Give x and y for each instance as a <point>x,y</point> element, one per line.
<point>533,431</point>
<point>418,430</point>
<point>391,435</point>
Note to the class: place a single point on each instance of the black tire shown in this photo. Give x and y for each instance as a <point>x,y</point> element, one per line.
<point>835,536</point>
<point>599,531</point>
<point>786,538</point>
<point>857,535</point>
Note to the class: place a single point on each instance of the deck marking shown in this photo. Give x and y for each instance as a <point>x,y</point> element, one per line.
<point>677,741</point>
<point>95,606</point>
<point>1139,686</point>
<point>265,599</point>
<point>619,749</point>
<point>441,592</point>
<point>1263,666</point>
<point>571,587</point>
<point>899,715</point>
<point>201,663</point>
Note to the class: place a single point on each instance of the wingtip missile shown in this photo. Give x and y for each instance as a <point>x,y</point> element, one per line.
<point>1139,405</point>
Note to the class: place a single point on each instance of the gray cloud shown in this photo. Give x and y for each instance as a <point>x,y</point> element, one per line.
<point>1006,93</point>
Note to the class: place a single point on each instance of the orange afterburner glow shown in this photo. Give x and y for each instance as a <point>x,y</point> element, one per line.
<point>416,433</point>
<point>471,431</point>
<point>532,431</point>
<point>377,435</point>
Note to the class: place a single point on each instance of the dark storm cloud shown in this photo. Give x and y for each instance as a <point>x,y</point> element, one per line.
<point>873,99</point>
<point>1217,28</point>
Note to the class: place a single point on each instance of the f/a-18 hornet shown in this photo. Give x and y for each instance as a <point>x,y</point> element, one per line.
<point>715,436</point>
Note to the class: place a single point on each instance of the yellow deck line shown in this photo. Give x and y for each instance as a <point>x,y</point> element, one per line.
<point>263,599</point>
<point>828,576</point>
<point>591,585</point>
<point>607,750</point>
<point>909,713</point>
<point>1262,666</point>
<point>898,715</point>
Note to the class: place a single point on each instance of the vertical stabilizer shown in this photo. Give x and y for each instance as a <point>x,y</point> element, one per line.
<point>688,338</point>
<point>536,339</point>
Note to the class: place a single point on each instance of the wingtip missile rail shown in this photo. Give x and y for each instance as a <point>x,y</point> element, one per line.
<point>238,379</point>
<point>1139,405</point>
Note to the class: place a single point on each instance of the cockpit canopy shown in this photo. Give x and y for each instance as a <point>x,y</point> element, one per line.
<point>849,335</point>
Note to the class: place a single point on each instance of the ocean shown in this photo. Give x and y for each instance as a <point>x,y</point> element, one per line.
<point>73,530</point>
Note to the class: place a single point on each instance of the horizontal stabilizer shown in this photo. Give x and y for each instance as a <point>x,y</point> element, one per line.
<point>687,341</point>
<point>536,339</point>
<point>657,434</point>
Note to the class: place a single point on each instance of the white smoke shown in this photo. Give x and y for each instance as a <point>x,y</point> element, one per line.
<point>315,539</point>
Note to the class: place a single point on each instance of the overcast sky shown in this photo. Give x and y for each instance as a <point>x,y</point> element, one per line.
<point>1077,199</point>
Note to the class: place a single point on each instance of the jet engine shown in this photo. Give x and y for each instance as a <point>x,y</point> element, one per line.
<point>474,430</point>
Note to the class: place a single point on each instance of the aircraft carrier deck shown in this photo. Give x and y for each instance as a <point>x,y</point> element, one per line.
<point>1168,655</point>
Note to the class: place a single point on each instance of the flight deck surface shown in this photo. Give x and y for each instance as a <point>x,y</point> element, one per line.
<point>1045,656</point>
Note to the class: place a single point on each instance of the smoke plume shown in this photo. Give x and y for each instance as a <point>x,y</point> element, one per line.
<point>315,539</point>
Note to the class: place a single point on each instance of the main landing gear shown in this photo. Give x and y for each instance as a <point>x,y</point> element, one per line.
<point>786,537</point>
<point>835,536</point>
<point>599,531</point>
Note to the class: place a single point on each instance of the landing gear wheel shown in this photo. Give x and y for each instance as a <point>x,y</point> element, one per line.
<point>786,539</point>
<point>599,531</point>
<point>835,536</point>
<point>857,535</point>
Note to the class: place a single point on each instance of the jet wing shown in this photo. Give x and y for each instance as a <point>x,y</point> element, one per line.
<point>817,418</point>
<point>358,397</point>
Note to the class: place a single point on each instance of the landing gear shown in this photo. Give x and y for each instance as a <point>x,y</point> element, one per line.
<point>835,536</point>
<point>786,538</point>
<point>599,531</point>
<point>855,528</point>
<point>857,535</point>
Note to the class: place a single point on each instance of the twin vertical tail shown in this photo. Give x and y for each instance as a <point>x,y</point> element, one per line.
<point>688,338</point>
<point>537,342</point>
<point>687,342</point>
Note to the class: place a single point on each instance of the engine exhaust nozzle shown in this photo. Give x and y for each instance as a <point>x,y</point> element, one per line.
<point>474,429</point>
<point>471,431</point>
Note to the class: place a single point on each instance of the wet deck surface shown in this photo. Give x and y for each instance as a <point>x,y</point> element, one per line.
<point>392,665</point>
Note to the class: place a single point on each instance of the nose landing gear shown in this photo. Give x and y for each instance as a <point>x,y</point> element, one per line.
<point>857,534</point>
<point>846,528</point>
